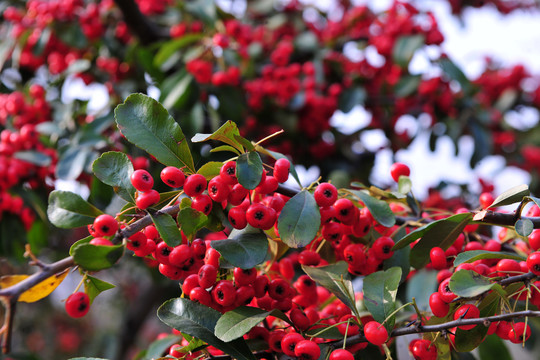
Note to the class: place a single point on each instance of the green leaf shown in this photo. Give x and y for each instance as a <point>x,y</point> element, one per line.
<point>210,169</point>
<point>167,228</point>
<point>172,46</point>
<point>94,286</point>
<point>493,348</point>
<point>351,97</point>
<point>407,85</point>
<point>200,321</point>
<point>404,184</point>
<point>33,157</point>
<point>244,248</point>
<point>405,47</point>
<point>146,123</point>
<point>227,134</point>
<point>68,210</point>
<point>205,10</point>
<point>335,278</point>
<point>299,220</point>
<point>249,169</point>
<point>380,290</point>
<point>439,226</point>
<point>400,257</point>
<point>524,227</point>
<point>225,148</point>
<point>85,240</point>
<point>467,283</point>
<point>421,286</point>
<point>72,162</point>
<point>473,255</point>
<point>235,323</point>
<point>378,208</point>
<point>191,220</point>
<point>511,196</point>
<point>115,169</point>
<point>178,90</point>
<point>158,347</point>
<point>97,257</point>
<point>455,73</point>
<point>442,235</point>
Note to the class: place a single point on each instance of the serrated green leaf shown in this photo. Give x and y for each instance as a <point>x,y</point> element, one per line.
<point>249,169</point>
<point>244,248</point>
<point>473,255</point>
<point>94,286</point>
<point>442,235</point>
<point>227,134</point>
<point>380,290</point>
<point>378,208</point>
<point>146,123</point>
<point>167,228</point>
<point>115,169</point>
<point>235,323</point>
<point>200,321</point>
<point>511,196</point>
<point>299,220</point>
<point>68,210</point>
<point>97,257</point>
<point>335,278</point>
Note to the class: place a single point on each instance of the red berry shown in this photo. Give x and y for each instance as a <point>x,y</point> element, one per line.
<point>307,350</point>
<point>279,289</point>
<point>424,350</point>
<point>244,276</point>
<point>237,217</point>
<point>105,225</point>
<point>142,180</point>
<point>207,276</point>
<point>201,296</point>
<point>77,304</point>
<point>218,190</point>
<point>399,169</point>
<point>519,333</point>
<point>228,173</point>
<point>439,308</point>
<point>180,254</point>
<point>173,176</point>
<point>202,203</point>
<point>147,199</point>
<point>100,241</point>
<point>190,283</point>
<point>237,195</point>
<point>382,247</point>
<point>534,240</point>
<point>341,354</point>
<point>325,194</point>
<point>346,212</point>
<point>260,216</point>
<point>309,258</point>
<point>467,311</point>
<point>438,258</point>
<point>281,171</point>
<point>375,333</point>
<point>194,185</point>
<point>446,294</point>
<point>137,241</point>
<point>224,293</point>
<point>486,199</point>
<point>533,263</point>
<point>508,267</point>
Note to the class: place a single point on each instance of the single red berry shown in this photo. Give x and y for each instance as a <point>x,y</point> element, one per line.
<point>341,354</point>
<point>508,267</point>
<point>202,203</point>
<point>218,190</point>
<point>307,350</point>
<point>173,176</point>
<point>332,231</point>
<point>274,340</point>
<point>439,308</point>
<point>105,225</point>
<point>207,276</point>
<point>137,241</point>
<point>309,258</point>
<point>194,185</point>
<point>325,194</point>
<point>244,276</point>
<point>348,326</point>
<point>244,295</point>
<point>147,199</point>
<point>375,333</point>
<point>100,241</point>
<point>260,216</point>
<point>438,258</point>
<point>142,180</point>
<point>237,217</point>
<point>201,296</point>
<point>486,199</point>
<point>190,283</point>
<point>260,285</point>
<point>180,254</point>
<point>162,252</point>
<point>346,212</point>
<point>424,350</point>
<point>281,171</point>
<point>305,286</point>
<point>289,342</point>
<point>286,268</point>
<point>299,319</point>
<point>77,304</point>
<point>446,294</point>
<point>237,195</point>
<point>503,329</point>
<point>228,172</point>
<point>533,263</point>
<point>170,271</point>
<point>382,247</point>
<point>399,169</point>
<point>224,293</point>
<point>534,240</point>
<point>279,289</point>
<point>519,332</point>
<point>467,311</point>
